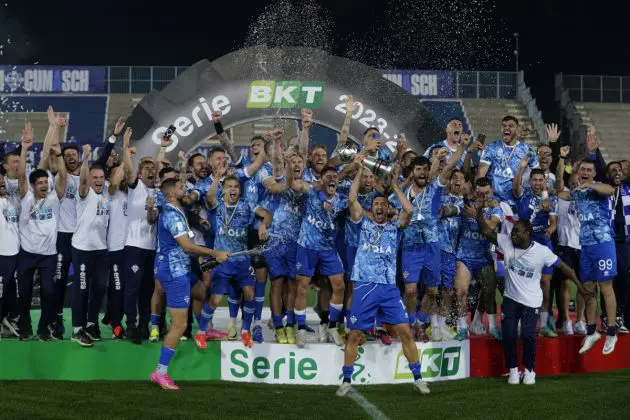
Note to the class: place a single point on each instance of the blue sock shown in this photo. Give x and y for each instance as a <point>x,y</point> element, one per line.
<point>234,301</point>
<point>166,355</point>
<point>415,369</point>
<point>248,314</point>
<point>347,373</point>
<point>155,320</point>
<point>335,311</point>
<point>422,317</point>
<point>277,321</point>
<point>290,318</point>
<point>259,291</point>
<point>206,315</point>
<point>412,319</point>
<point>300,317</point>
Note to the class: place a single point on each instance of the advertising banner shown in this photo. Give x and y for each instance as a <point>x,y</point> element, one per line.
<point>320,364</point>
<point>52,79</point>
<point>423,83</point>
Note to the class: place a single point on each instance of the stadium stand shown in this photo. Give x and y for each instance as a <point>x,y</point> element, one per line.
<point>612,125</point>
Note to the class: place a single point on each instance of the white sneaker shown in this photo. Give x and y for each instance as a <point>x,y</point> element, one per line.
<point>580,328</point>
<point>322,332</point>
<point>447,334</point>
<point>478,329</point>
<point>300,338</point>
<point>335,337</point>
<point>609,345</point>
<point>589,342</point>
<point>529,378</point>
<point>436,333</point>
<point>344,389</point>
<point>567,327</point>
<point>515,377</point>
<point>421,387</point>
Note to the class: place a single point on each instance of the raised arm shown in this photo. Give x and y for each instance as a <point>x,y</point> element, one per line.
<point>217,173</point>
<point>405,216</point>
<point>27,142</point>
<point>564,152</point>
<point>483,170</point>
<point>485,228</point>
<point>84,183</point>
<point>111,142</point>
<point>517,188</point>
<point>62,173</point>
<point>445,175</point>
<point>130,171</point>
<point>356,210</point>
<point>307,123</point>
<point>224,139</point>
<point>118,174</point>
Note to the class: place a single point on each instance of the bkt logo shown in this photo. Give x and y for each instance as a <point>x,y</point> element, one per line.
<point>435,363</point>
<point>285,94</point>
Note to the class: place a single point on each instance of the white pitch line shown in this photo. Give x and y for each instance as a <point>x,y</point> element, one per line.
<point>367,406</point>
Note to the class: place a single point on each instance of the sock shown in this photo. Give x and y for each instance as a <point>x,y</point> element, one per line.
<point>206,315</point>
<point>198,319</point>
<point>75,330</point>
<point>335,311</point>
<point>434,321</point>
<point>415,369</point>
<point>248,314</point>
<point>277,321</point>
<point>342,315</point>
<point>233,322</point>
<point>492,321</point>
<point>422,317</point>
<point>323,317</point>
<point>590,329</point>
<point>233,307</point>
<point>300,318</point>
<point>290,318</point>
<point>259,292</point>
<point>544,316</point>
<point>462,323</point>
<point>347,373</point>
<point>478,317</point>
<point>166,355</point>
<point>612,330</point>
<point>89,324</point>
<point>412,319</point>
<point>155,320</point>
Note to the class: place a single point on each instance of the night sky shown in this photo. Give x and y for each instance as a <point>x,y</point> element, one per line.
<point>574,37</point>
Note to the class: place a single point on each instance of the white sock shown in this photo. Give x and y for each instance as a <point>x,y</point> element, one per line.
<point>543,319</point>
<point>492,321</point>
<point>478,318</point>
<point>257,323</point>
<point>461,323</point>
<point>434,321</point>
<point>162,369</point>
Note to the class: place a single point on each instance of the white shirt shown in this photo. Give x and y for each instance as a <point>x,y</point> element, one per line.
<point>38,224</point>
<point>92,219</point>
<point>568,224</point>
<point>523,268</point>
<point>117,230</point>
<point>68,206</point>
<point>140,233</point>
<point>9,229</point>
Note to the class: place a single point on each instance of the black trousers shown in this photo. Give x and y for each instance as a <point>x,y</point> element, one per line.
<point>26,266</point>
<point>115,293</point>
<point>89,286</point>
<point>138,273</point>
<point>62,267</point>
<point>8,285</point>
<point>512,312</point>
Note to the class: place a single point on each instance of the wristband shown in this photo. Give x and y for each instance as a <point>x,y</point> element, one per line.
<point>544,195</point>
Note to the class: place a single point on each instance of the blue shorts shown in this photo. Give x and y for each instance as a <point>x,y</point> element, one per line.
<point>281,261</point>
<point>176,289</point>
<point>370,299</point>
<point>447,270</point>
<point>351,255</point>
<point>326,262</point>
<point>475,266</point>
<point>238,273</point>
<point>422,264</point>
<point>545,242</point>
<point>598,262</point>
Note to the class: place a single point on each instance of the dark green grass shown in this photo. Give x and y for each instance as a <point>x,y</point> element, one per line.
<point>601,396</point>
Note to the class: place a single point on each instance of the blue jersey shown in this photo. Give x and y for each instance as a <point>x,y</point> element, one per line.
<point>232,225</point>
<point>594,213</point>
<point>503,162</point>
<point>353,230</point>
<point>261,194</point>
<point>376,256</point>
<point>203,185</point>
<point>449,153</point>
<point>287,218</point>
<point>423,228</point>
<point>529,209</point>
<point>172,224</point>
<point>309,176</point>
<point>318,228</point>
<point>159,200</point>
<point>472,244</point>
<point>448,228</point>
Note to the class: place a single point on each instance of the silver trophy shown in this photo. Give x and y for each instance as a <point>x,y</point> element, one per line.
<point>381,168</point>
<point>347,152</point>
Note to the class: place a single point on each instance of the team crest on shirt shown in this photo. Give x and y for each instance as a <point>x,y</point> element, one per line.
<point>353,319</point>
<point>187,299</point>
<point>405,274</point>
<point>135,268</point>
<point>298,266</point>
